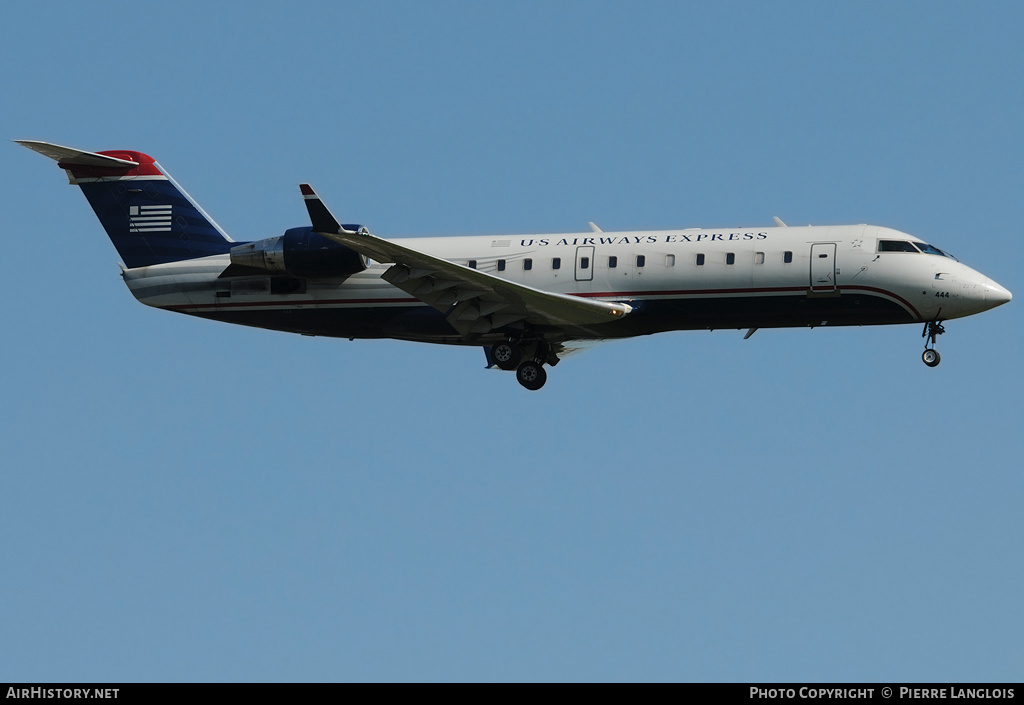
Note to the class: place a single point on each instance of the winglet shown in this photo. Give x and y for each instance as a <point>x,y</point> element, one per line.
<point>323,220</point>
<point>778,221</point>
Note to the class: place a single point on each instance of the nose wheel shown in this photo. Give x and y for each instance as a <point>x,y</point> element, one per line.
<point>932,329</point>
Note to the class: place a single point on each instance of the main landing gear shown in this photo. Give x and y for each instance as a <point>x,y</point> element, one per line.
<point>526,358</point>
<point>932,329</point>
<point>531,375</point>
<point>507,355</point>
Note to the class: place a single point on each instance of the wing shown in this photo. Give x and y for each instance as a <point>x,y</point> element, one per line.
<point>474,302</point>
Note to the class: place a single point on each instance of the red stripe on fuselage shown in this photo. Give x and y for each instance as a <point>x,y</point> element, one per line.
<point>292,304</point>
<point>768,290</point>
<point>602,294</point>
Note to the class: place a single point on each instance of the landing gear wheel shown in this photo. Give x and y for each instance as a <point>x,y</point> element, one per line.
<point>932,330</point>
<point>506,355</point>
<point>531,375</point>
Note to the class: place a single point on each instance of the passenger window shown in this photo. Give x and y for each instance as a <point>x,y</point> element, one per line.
<point>501,265</point>
<point>758,258</point>
<point>471,264</point>
<point>787,257</point>
<point>584,263</point>
<point>641,260</point>
<point>700,260</point>
<point>670,260</point>
<point>613,262</point>
<point>527,264</point>
<point>556,263</point>
<point>730,258</point>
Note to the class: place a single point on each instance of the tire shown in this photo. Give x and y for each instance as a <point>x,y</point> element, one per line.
<point>531,375</point>
<point>506,355</point>
<point>931,357</point>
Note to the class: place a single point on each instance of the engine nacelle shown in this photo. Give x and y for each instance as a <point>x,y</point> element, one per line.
<point>300,252</point>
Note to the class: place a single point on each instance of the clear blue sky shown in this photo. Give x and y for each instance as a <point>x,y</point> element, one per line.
<point>187,500</point>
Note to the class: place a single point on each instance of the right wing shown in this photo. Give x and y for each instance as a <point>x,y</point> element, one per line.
<point>474,302</point>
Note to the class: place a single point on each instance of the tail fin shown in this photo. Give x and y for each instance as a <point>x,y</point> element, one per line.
<point>147,216</point>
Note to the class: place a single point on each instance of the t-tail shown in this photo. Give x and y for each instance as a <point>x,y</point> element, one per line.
<point>147,216</point>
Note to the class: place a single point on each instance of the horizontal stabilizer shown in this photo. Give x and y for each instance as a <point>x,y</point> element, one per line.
<point>67,156</point>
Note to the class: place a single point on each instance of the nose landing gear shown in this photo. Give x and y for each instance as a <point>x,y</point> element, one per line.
<point>932,329</point>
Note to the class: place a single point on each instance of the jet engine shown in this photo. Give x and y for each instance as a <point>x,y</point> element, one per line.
<point>300,252</point>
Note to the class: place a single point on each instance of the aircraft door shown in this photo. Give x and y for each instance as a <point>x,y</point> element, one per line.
<point>584,263</point>
<point>823,268</point>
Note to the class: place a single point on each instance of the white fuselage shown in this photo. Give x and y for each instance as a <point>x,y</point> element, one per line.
<point>677,279</point>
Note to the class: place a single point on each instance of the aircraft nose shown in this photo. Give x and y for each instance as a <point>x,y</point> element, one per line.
<point>996,295</point>
<point>977,293</point>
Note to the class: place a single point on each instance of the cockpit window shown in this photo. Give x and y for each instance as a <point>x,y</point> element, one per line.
<point>932,250</point>
<point>896,246</point>
<point>905,246</point>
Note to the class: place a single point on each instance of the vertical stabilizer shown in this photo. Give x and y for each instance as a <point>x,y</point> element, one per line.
<point>147,216</point>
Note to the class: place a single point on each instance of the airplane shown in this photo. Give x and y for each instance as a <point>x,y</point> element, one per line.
<point>528,300</point>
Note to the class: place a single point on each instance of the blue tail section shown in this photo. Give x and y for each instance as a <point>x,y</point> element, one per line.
<point>147,216</point>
